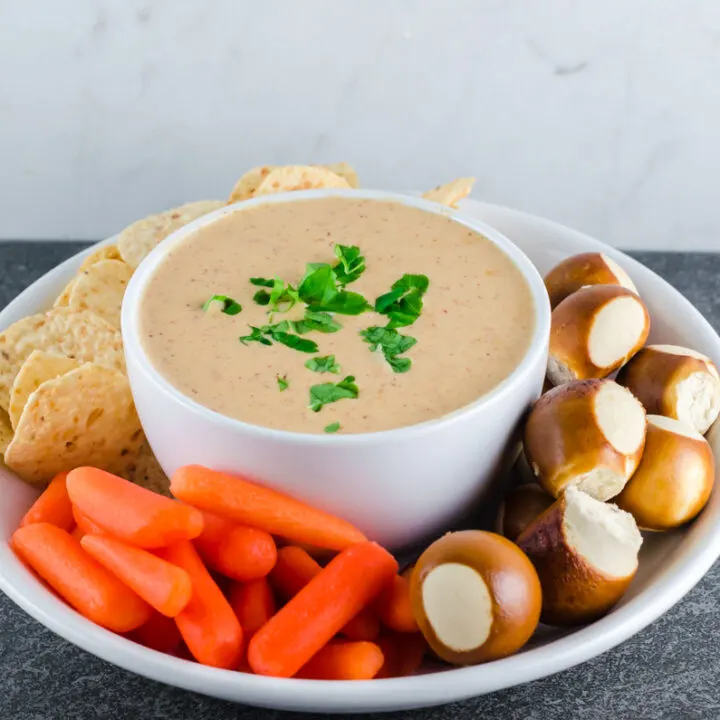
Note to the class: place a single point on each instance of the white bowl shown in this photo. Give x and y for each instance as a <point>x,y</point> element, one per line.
<point>670,563</point>
<point>398,486</point>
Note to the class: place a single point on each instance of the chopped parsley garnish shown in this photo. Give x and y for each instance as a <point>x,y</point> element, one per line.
<point>324,364</point>
<point>319,291</point>
<point>261,297</point>
<point>262,282</point>
<point>229,306</point>
<point>392,344</point>
<point>332,427</point>
<point>257,335</point>
<point>351,265</point>
<point>326,393</point>
<point>282,297</point>
<point>321,321</point>
<point>283,383</point>
<point>403,304</point>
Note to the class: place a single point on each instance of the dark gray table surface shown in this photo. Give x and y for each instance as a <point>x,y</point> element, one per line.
<point>669,670</point>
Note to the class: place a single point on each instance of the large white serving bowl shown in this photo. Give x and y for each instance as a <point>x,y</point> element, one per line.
<point>398,486</point>
<point>670,563</point>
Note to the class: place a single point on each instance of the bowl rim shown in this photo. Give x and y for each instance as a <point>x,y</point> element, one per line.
<point>537,345</point>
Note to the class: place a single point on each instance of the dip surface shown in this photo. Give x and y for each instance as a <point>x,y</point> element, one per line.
<point>474,329</point>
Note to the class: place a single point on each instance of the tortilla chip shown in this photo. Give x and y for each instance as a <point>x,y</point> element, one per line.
<point>64,297</point>
<point>344,170</point>
<point>39,367</point>
<point>100,289</point>
<point>451,193</point>
<point>137,240</point>
<point>247,185</point>
<point>81,336</point>
<point>300,177</point>
<point>145,471</point>
<point>85,417</point>
<point>106,252</point>
<point>6,433</point>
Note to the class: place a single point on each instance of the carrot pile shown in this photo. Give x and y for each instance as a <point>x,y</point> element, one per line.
<point>201,577</point>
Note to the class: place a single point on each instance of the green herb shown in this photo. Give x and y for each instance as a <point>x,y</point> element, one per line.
<point>332,427</point>
<point>319,290</point>
<point>392,344</point>
<point>321,395</point>
<point>283,383</point>
<point>257,335</point>
<point>282,297</point>
<point>403,304</point>
<point>351,265</point>
<point>261,297</point>
<point>321,321</point>
<point>229,306</point>
<point>262,282</point>
<point>280,333</point>
<point>324,364</point>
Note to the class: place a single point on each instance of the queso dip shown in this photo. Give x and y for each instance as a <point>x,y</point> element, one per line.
<point>249,315</point>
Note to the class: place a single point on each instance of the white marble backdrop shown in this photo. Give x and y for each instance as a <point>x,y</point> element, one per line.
<point>603,115</point>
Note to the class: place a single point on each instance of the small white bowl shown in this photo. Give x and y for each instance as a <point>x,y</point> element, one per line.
<point>398,486</point>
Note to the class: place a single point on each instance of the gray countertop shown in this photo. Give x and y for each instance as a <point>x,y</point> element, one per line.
<point>670,670</point>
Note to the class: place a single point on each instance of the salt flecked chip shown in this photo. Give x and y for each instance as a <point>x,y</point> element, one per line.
<point>300,177</point>
<point>6,432</point>
<point>81,336</point>
<point>137,240</point>
<point>64,297</point>
<point>248,184</point>
<point>37,369</point>
<point>344,170</point>
<point>85,417</point>
<point>100,289</point>
<point>106,252</point>
<point>144,470</point>
<point>451,193</point>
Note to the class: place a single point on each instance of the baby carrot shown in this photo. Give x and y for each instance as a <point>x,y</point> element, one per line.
<point>295,568</point>
<point>253,603</point>
<point>158,633</point>
<point>310,619</point>
<point>403,652</point>
<point>53,506</point>
<point>79,579</point>
<point>237,551</point>
<point>86,525</point>
<point>394,608</point>
<point>208,624</point>
<point>129,512</point>
<point>164,586</point>
<point>77,533</point>
<point>250,504</point>
<point>344,661</point>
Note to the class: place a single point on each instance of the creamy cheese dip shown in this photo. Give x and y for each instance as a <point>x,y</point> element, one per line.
<point>473,331</point>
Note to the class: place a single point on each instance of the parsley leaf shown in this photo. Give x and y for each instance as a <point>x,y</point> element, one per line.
<point>261,297</point>
<point>403,304</point>
<point>321,321</point>
<point>319,291</point>
<point>351,265</point>
<point>323,364</point>
<point>229,306</point>
<point>257,335</point>
<point>280,334</point>
<point>327,393</point>
<point>262,282</point>
<point>332,427</point>
<point>283,383</point>
<point>282,297</point>
<point>392,344</point>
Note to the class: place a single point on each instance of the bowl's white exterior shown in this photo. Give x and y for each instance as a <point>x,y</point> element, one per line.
<point>670,563</point>
<point>398,486</point>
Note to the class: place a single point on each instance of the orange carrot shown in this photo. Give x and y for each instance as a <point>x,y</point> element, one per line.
<point>86,525</point>
<point>237,551</point>
<point>158,633</point>
<point>166,587</point>
<point>253,603</point>
<point>394,608</point>
<point>403,652</point>
<point>94,592</point>
<point>129,512</point>
<point>78,533</point>
<point>208,624</point>
<point>308,621</point>
<point>250,504</point>
<point>53,506</point>
<point>344,661</point>
<point>295,568</point>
